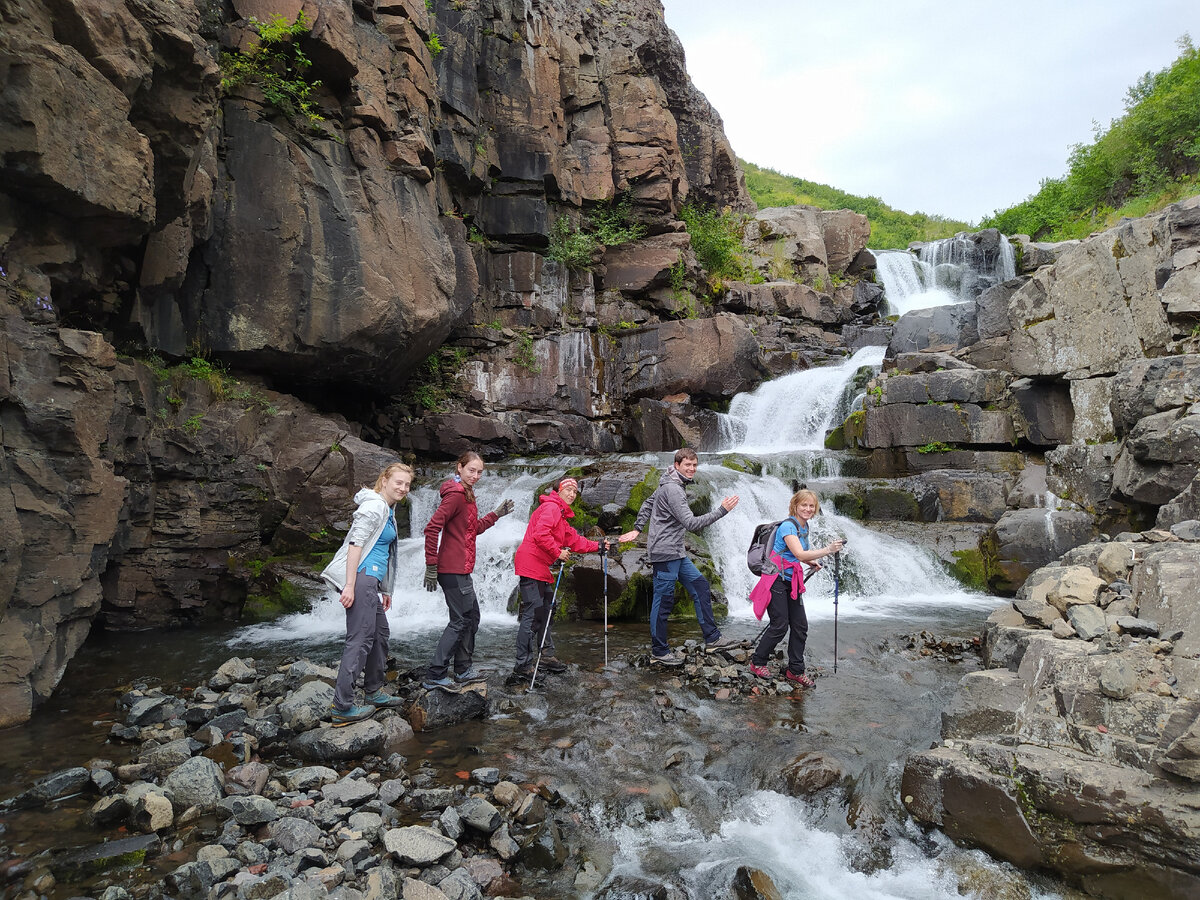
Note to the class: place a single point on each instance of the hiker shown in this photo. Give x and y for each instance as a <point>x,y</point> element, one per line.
<point>668,514</point>
<point>449,563</point>
<point>785,607</point>
<point>548,537</point>
<point>363,572</point>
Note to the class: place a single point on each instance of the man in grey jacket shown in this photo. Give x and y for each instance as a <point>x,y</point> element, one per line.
<point>667,512</point>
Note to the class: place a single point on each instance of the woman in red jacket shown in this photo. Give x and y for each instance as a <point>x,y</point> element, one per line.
<point>548,537</point>
<point>450,563</point>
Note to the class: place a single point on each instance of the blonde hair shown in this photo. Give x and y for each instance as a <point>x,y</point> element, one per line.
<point>389,472</point>
<point>798,498</point>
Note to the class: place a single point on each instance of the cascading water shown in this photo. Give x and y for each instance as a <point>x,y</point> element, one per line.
<point>953,270</point>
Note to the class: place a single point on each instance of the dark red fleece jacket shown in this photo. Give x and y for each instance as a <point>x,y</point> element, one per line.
<point>457,521</point>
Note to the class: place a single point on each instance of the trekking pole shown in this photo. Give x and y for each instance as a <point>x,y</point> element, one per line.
<point>546,630</point>
<point>604,575</point>
<point>837,558</point>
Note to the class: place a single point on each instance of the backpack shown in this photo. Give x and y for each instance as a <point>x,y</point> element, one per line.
<point>762,545</point>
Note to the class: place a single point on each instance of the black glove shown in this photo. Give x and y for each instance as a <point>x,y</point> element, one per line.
<point>431,578</point>
<point>503,509</point>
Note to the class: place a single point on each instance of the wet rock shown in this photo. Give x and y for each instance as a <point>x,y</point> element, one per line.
<point>306,706</point>
<point>812,772</point>
<point>754,884</point>
<point>460,885</point>
<point>487,775</point>
<point>417,845</point>
<point>1023,540</point>
<point>196,879</point>
<point>477,813</point>
<point>59,784</point>
<point>307,778</point>
<point>544,848</point>
<point>167,756</point>
<point>198,782</point>
<point>130,851</point>
<point>628,887</point>
<point>148,711</point>
<point>232,671</point>
<point>429,799</point>
<point>250,810</point>
<point>108,811</point>
<point>349,742</point>
<point>150,808</point>
<point>349,792</point>
<point>396,733</point>
<point>438,708</point>
<point>291,834</point>
<point>501,841</point>
<point>251,778</point>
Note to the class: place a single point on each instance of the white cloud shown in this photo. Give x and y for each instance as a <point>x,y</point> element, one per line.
<point>955,109</point>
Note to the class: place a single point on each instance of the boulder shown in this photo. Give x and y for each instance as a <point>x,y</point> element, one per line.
<point>352,741</point>
<point>1025,539</point>
<point>938,328</point>
<point>1089,622</point>
<point>706,358</point>
<point>1044,413</point>
<point>417,845</point>
<point>292,834</point>
<point>199,782</point>
<point>438,708</point>
<point>918,425</point>
<point>961,385</point>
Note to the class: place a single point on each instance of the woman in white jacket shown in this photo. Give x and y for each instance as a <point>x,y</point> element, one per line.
<point>363,571</point>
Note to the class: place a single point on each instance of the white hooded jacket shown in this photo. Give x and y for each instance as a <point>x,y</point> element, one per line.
<point>365,528</point>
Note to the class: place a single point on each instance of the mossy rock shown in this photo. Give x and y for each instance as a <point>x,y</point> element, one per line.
<point>891,504</point>
<point>836,439</point>
<point>637,497</point>
<point>853,429</point>
<point>850,505</point>
<point>744,464</point>
<point>970,568</point>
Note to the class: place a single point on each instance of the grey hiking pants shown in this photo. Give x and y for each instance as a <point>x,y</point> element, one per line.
<point>366,647</point>
<point>457,644</point>
<point>533,616</point>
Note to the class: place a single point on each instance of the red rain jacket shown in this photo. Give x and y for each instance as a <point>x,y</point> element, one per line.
<point>545,536</point>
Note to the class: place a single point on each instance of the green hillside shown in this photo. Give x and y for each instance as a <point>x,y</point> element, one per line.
<point>1146,159</point>
<point>891,229</point>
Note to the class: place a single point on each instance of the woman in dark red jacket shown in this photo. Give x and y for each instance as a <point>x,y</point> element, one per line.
<point>548,537</point>
<point>450,564</point>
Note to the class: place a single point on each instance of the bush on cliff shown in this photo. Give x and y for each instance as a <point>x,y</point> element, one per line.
<point>1147,158</point>
<point>278,66</point>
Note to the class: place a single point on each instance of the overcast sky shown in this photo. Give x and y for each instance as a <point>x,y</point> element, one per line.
<point>954,108</point>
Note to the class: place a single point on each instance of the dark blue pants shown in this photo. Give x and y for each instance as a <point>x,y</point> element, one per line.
<point>665,576</point>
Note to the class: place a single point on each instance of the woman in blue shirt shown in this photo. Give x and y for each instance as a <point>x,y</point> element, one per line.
<point>363,572</point>
<point>786,609</point>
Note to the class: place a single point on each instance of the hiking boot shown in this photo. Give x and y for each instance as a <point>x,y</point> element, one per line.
<point>472,674</point>
<point>340,717</point>
<point>553,665</point>
<point>519,675</point>
<point>444,682</point>
<point>379,699</point>
<point>802,680</point>
<point>668,659</point>
<point>759,671</point>
<point>722,643</point>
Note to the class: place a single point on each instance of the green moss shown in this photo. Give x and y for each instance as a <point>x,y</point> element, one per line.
<point>970,568</point>
<point>850,505</point>
<point>743,464</point>
<point>836,439</point>
<point>637,496</point>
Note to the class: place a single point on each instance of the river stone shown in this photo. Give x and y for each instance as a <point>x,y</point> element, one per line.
<point>307,778</point>
<point>306,706</point>
<point>506,793</point>
<point>368,824</point>
<point>380,884</point>
<point>148,711</point>
<point>303,670</point>
<point>349,792</point>
<point>1069,586</point>
<point>427,799</point>
<point>1063,630</point>
<point>167,756</point>
<point>1117,679</point>
<point>477,813</point>
<point>329,744</point>
<point>197,782</point>
<point>108,810</point>
<point>419,890</point>
<point>196,879</point>
<point>451,823</point>
<point>460,885</point>
<point>250,777</point>
<point>130,851</point>
<point>250,810</point>
<point>1187,531</point>
<point>544,848</point>
<point>231,672</point>
<point>811,772</point>
<point>50,787</point>
<point>487,775</point>
<point>417,845</point>
<point>353,851</point>
<point>396,733</point>
<point>438,708</point>
<point>531,809</point>
<point>1089,622</point>
<point>291,834</point>
<point>754,884</point>
<point>501,841</point>
<point>1137,627</point>
<point>391,791</point>
<point>151,810</point>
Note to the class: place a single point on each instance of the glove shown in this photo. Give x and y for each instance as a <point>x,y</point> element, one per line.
<point>503,509</point>
<point>431,578</point>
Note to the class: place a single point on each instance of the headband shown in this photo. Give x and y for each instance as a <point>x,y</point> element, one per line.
<point>568,482</point>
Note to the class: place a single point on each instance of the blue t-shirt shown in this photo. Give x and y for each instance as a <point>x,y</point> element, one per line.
<point>376,562</point>
<point>789,527</point>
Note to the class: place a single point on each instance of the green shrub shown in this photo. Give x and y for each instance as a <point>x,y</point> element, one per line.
<point>1144,160</point>
<point>573,248</point>
<point>278,66</point>
<point>611,223</point>
<point>717,243</point>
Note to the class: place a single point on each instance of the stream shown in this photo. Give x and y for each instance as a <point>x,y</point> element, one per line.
<point>661,783</point>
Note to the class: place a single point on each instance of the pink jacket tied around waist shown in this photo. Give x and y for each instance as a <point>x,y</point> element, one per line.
<point>760,596</point>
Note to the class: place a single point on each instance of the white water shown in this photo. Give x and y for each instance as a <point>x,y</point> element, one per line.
<point>940,275</point>
<point>795,411</point>
<point>772,832</point>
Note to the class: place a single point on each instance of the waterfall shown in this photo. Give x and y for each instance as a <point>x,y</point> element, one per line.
<point>794,412</point>
<point>953,270</point>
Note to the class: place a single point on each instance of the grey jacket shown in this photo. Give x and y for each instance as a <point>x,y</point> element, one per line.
<point>669,517</point>
<point>365,528</point>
